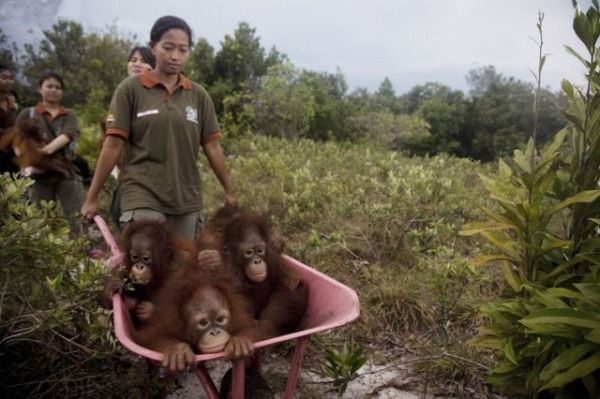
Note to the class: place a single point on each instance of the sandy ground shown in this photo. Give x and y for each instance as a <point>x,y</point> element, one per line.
<point>376,382</point>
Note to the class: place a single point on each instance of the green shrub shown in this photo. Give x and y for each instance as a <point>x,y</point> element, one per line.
<point>54,339</point>
<point>343,365</point>
<point>384,224</point>
<point>546,330</point>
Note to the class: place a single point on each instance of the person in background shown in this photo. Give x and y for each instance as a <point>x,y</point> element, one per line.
<point>59,128</point>
<point>140,60</point>
<point>8,115</point>
<point>161,119</point>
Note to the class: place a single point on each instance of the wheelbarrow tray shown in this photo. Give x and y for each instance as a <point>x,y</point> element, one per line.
<point>330,304</point>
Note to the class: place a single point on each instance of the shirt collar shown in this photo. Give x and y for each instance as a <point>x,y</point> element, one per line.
<point>148,80</point>
<point>40,109</point>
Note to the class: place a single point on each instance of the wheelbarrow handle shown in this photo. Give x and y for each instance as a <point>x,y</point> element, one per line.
<point>116,254</point>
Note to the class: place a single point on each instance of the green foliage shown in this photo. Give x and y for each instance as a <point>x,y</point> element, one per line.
<point>241,58</point>
<point>201,65</point>
<point>238,116</point>
<point>88,63</point>
<point>385,97</point>
<point>54,339</point>
<point>283,105</point>
<point>545,234</point>
<point>495,119</point>
<point>408,133</point>
<point>342,366</point>
<point>88,143</point>
<point>95,108</point>
<point>444,110</point>
<point>331,110</point>
<point>380,222</point>
<point>500,115</point>
<point>235,68</point>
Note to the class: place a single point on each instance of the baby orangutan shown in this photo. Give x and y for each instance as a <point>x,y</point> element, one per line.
<point>151,253</point>
<point>211,241</point>
<point>26,141</point>
<point>208,310</point>
<point>277,296</point>
<point>196,311</point>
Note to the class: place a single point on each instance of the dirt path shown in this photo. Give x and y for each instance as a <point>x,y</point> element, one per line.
<point>375,381</point>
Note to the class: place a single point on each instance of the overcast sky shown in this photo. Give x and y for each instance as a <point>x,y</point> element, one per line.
<point>409,41</point>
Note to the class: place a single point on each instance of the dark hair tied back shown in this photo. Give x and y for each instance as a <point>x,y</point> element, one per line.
<point>167,22</point>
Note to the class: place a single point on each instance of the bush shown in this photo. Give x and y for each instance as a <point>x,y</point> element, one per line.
<point>546,331</point>
<point>371,218</point>
<point>54,339</point>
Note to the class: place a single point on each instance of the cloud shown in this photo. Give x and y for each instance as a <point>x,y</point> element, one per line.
<point>411,42</point>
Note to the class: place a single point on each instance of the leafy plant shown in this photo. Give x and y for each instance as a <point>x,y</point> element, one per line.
<point>546,331</point>
<point>342,366</point>
<point>55,341</point>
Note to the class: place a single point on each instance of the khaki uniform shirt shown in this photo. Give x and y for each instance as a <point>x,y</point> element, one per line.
<point>65,122</point>
<point>164,134</point>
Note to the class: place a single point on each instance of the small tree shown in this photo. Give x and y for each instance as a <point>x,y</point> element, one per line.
<point>546,331</point>
<point>201,65</point>
<point>87,62</point>
<point>283,105</point>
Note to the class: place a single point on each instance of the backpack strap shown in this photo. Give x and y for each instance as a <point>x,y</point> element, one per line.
<point>69,150</point>
<point>52,131</point>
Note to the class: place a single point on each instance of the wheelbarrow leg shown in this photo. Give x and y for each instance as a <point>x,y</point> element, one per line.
<point>239,374</point>
<point>206,381</point>
<point>295,368</point>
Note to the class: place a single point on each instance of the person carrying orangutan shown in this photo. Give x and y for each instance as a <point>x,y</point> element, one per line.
<point>58,131</point>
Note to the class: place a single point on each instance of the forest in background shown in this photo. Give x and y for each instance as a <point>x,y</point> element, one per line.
<point>260,90</point>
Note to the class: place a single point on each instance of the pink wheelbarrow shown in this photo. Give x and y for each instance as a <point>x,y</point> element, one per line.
<point>330,305</point>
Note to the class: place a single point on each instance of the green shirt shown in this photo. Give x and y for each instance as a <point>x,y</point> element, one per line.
<point>64,122</point>
<point>164,134</point>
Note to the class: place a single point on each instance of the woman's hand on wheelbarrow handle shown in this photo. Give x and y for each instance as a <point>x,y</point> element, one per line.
<point>89,208</point>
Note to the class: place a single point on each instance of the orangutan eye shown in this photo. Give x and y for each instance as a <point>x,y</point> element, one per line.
<point>134,258</point>
<point>260,251</point>
<point>146,259</point>
<point>248,253</point>
<point>203,323</point>
<point>221,319</point>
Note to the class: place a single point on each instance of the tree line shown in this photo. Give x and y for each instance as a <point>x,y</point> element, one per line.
<point>261,91</point>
